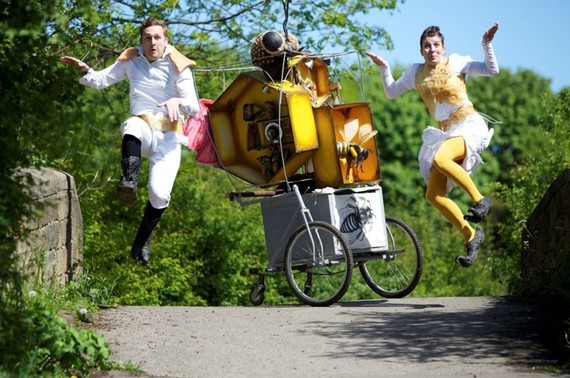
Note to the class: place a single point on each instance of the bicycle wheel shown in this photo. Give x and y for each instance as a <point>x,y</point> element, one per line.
<point>318,264</point>
<point>396,272</point>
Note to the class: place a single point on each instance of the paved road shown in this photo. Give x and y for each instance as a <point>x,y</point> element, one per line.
<point>446,337</point>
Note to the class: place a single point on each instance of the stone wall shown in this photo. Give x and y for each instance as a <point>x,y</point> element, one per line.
<point>546,239</point>
<point>52,247</point>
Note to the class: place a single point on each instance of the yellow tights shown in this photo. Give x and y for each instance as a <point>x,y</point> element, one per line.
<point>446,164</point>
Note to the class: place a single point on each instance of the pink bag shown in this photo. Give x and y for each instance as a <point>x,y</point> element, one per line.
<point>197,129</point>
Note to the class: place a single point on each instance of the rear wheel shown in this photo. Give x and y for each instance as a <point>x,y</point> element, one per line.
<point>397,271</point>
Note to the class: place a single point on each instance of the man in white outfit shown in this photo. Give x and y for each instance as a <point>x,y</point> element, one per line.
<point>161,90</point>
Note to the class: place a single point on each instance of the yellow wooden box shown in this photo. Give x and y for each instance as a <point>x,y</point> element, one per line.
<point>240,116</point>
<point>330,169</point>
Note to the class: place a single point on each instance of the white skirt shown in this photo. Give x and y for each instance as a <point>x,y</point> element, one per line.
<point>473,130</point>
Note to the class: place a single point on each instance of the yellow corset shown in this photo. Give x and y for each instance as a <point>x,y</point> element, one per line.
<point>440,84</point>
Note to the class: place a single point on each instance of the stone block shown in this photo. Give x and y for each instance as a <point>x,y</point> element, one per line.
<point>52,247</point>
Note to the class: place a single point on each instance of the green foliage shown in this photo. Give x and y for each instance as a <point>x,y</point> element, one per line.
<point>318,27</point>
<point>50,345</point>
<point>517,100</point>
<point>533,176</point>
<point>202,249</point>
<point>59,346</point>
<point>33,339</point>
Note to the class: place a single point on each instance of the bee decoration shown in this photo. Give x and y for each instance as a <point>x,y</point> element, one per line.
<point>357,219</point>
<point>352,151</point>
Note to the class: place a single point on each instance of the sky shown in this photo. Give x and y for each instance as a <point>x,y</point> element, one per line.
<point>533,34</point>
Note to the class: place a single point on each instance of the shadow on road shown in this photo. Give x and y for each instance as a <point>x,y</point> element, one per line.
<point>420,333</point>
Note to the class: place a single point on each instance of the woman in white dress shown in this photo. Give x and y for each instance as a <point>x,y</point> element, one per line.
<point>450,152</point>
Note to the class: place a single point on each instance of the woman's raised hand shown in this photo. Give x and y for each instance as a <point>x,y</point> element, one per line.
<point>378,60</point>
<point>490,34</point>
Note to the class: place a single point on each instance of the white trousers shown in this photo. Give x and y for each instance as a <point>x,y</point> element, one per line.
<point>162,149</point>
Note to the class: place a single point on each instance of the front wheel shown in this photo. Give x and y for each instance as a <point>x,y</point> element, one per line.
<point>257,294</point>
<point>397,272</point>
<point>318,264</point>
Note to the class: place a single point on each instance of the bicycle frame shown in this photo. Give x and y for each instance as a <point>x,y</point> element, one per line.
<point>307,217</point>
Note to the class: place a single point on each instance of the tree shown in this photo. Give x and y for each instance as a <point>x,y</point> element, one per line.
<point>517,101</point>
<point>228,22</point>
<point>34,111</point>
<point>530,179</point>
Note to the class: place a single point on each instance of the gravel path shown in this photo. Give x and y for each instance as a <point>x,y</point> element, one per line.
<point>412,337</point>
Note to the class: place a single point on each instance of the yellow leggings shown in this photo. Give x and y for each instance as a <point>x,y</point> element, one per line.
<point>446,164</point>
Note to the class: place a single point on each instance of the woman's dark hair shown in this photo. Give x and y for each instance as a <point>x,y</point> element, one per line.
<point>431,31</point>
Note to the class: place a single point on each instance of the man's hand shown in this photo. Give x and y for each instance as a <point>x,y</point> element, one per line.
<point>75,63</point>
<point>490,34</point>
<point>173,108</point>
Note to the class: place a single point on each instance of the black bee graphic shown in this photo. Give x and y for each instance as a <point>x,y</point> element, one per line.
<point>356,218</point>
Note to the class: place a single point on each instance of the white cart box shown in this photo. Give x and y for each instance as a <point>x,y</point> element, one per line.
<point>357,212</point>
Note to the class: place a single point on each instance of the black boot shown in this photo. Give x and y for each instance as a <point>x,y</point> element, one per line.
<point>472,248</point>
<point>140,250</point>
<point>479,210</point>
<point>127,188</point>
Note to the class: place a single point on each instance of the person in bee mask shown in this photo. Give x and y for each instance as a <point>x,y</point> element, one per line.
<point>450,152</point>
<point>161,90</point>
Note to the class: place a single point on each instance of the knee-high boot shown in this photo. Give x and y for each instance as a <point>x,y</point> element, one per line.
<point>127,187</point>
<point>140,250</point>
